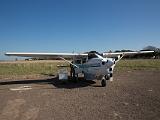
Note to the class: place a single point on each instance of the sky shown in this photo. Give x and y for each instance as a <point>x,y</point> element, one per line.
<point>78,25</point>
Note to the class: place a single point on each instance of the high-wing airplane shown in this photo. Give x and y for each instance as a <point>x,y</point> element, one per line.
<point>92,64</point>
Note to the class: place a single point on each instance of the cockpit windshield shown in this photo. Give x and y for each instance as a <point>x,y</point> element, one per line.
<point>91,54</point>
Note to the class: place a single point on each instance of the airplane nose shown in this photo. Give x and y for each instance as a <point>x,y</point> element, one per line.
<point>111,63</point>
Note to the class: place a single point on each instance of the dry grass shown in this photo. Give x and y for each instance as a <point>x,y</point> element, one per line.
<point>25,69</point>
<point>139,64</point>
<point>29,68</point>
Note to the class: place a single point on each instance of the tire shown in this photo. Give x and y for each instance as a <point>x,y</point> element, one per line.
<point>103,82</point>
<point>107,77</point>
<point>111,74</point>
<point>75,79</point>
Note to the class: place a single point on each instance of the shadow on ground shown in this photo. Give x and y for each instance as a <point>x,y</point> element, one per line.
<point>69,84</point>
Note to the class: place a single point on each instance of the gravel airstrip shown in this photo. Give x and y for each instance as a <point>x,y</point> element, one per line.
<point>132,95</point>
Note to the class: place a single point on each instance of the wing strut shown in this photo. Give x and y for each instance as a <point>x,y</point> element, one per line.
<point>69,62</point>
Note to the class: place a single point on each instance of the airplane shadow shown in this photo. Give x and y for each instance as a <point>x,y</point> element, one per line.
<point>69,84</point>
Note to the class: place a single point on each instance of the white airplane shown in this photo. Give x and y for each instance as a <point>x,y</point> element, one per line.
<point>92,65</point>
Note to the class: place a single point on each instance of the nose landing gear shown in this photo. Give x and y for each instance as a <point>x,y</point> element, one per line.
<point>104,80</point>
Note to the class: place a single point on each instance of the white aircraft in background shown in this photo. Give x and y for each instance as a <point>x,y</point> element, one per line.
<point>92,65</point>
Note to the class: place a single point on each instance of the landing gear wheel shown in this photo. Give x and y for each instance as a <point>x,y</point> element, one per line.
<point>111,74</point>
<point>107,77</point>
<point>103,82</point>
<point>75,78</point>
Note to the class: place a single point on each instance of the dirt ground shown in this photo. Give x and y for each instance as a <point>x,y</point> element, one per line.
<point>132,95</point>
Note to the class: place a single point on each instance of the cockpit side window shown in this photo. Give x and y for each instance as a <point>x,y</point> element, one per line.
<point>78,61</point>
<point>84,60</point>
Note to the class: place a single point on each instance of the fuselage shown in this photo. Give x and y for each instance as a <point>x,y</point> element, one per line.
<point>95,67</point>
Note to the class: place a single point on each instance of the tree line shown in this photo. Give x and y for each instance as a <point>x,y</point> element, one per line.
<point>155,55</point>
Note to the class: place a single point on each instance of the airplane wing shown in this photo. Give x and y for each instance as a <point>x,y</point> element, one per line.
<point>70,55</point>
<point>45,55</point>
<point>116,54</point>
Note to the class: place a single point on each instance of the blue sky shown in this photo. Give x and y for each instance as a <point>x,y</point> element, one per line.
<point>78,25</point>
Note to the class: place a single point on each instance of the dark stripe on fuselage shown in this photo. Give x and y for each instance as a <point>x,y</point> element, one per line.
<point>88,65</point>
<point>95,66</point>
